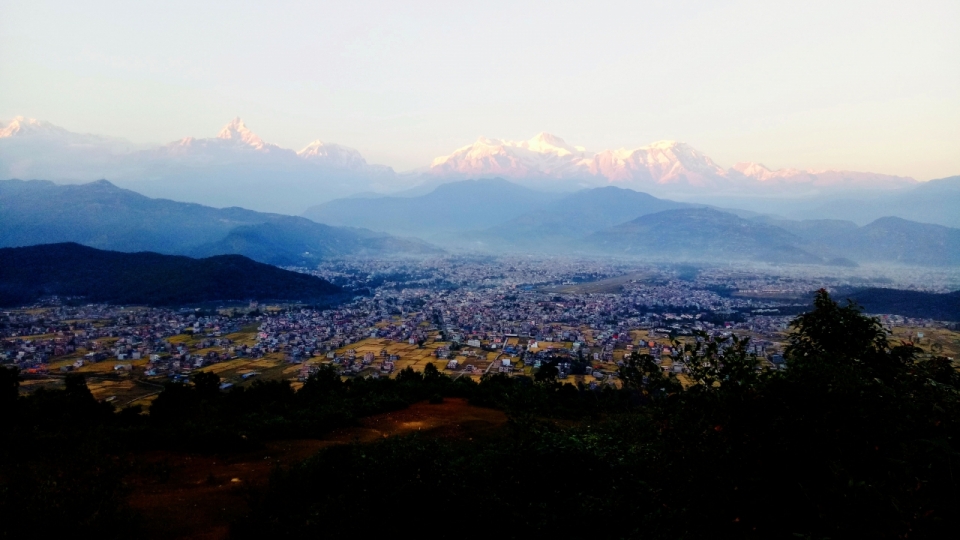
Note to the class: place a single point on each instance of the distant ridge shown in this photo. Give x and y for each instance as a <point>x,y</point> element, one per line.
<point>577,215</point>
<point>701,234</point>
<point>72,270</point>
<point>104,216</point>
<point>452,207</point>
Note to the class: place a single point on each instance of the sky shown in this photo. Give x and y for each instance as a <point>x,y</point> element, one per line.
<point>869,86</point>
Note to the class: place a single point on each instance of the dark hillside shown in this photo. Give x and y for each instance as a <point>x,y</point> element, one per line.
<point>29,273</point>
<point>923,305</point>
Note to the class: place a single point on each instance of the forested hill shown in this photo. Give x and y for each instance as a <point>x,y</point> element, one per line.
<point>70,269</point>
<point>924,305</point>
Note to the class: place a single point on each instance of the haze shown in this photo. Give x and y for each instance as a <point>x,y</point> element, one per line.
<point>851,85</point>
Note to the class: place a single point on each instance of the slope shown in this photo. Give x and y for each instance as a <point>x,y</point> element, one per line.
<point>577,215</point>
<point>104,216</point>
<point>886,240</point>
<point>700,234</point>
<point>943,307</point>
<point>453,207</point>
<point>72,270</point>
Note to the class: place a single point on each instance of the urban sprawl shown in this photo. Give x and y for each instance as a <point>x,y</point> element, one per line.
<point>467,316</point>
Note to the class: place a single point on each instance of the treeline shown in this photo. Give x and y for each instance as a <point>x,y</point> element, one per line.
<point>858,438</point>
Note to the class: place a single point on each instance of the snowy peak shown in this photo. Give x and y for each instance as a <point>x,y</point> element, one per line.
<point>545,143</point>
<point>762,173</point>
<point>333,154</point>
<point>818,178</point>
<point>21,126</point>
<point>542,155</point>
<point>663,162</point>
<point>749,168</point>
<point>672,165</point>
<point>238,131</point>
<point>549,156</point>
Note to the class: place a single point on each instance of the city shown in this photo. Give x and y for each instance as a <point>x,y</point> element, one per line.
<point>467,316</point>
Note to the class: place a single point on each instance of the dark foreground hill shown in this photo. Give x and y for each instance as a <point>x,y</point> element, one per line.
<point>101,215</point>
<point>923,305</point>
<point>72,270</point>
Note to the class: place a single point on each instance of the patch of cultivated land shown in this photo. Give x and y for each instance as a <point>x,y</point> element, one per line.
<point>938,341</point>
<point>197,496</point>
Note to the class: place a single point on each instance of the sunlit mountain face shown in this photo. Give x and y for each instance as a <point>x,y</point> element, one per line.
<point>666,164</point>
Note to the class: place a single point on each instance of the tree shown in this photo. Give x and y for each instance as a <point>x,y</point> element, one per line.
<point>431,373</point>
<point>640,373</point>
<point>720,364</point>
<point>841,343</point>
<point>322,384</point>
<point>207,384</point>
<point>547,373</point>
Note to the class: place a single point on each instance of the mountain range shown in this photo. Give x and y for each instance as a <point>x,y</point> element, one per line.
<point>238,168</point>
<point>492,216</point>
<point>104,216</point>
<point>664,166</point>
<point>616,221</point>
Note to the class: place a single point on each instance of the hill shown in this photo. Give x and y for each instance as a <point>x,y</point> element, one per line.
<point>104,216</point>
<point>886,240</point>
<point>292,241</point>
<point>934,202</point>
<point>72,270</point>
<point>577,215</point>
<point>924,305</point>
<point>700,234</point>
<point>454,207</point>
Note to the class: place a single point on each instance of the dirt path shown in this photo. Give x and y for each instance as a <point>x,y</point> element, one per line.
<point>198,496</point>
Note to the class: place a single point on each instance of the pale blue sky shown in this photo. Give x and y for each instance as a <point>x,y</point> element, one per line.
<point>869,86</point>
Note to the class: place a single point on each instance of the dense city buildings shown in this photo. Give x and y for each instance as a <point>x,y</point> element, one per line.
<point>467,316</point>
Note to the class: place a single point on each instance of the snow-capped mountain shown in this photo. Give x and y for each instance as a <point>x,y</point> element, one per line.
<point>817,178</point>
<point>21,130</point>
<point>664,167</point>
<point>663,162</point>
<point>343,157</point>
<point>544,155</point>
<point>30,148</point>
<point>547,156</point>
<point>234,168</point>
<point>21,127</point>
